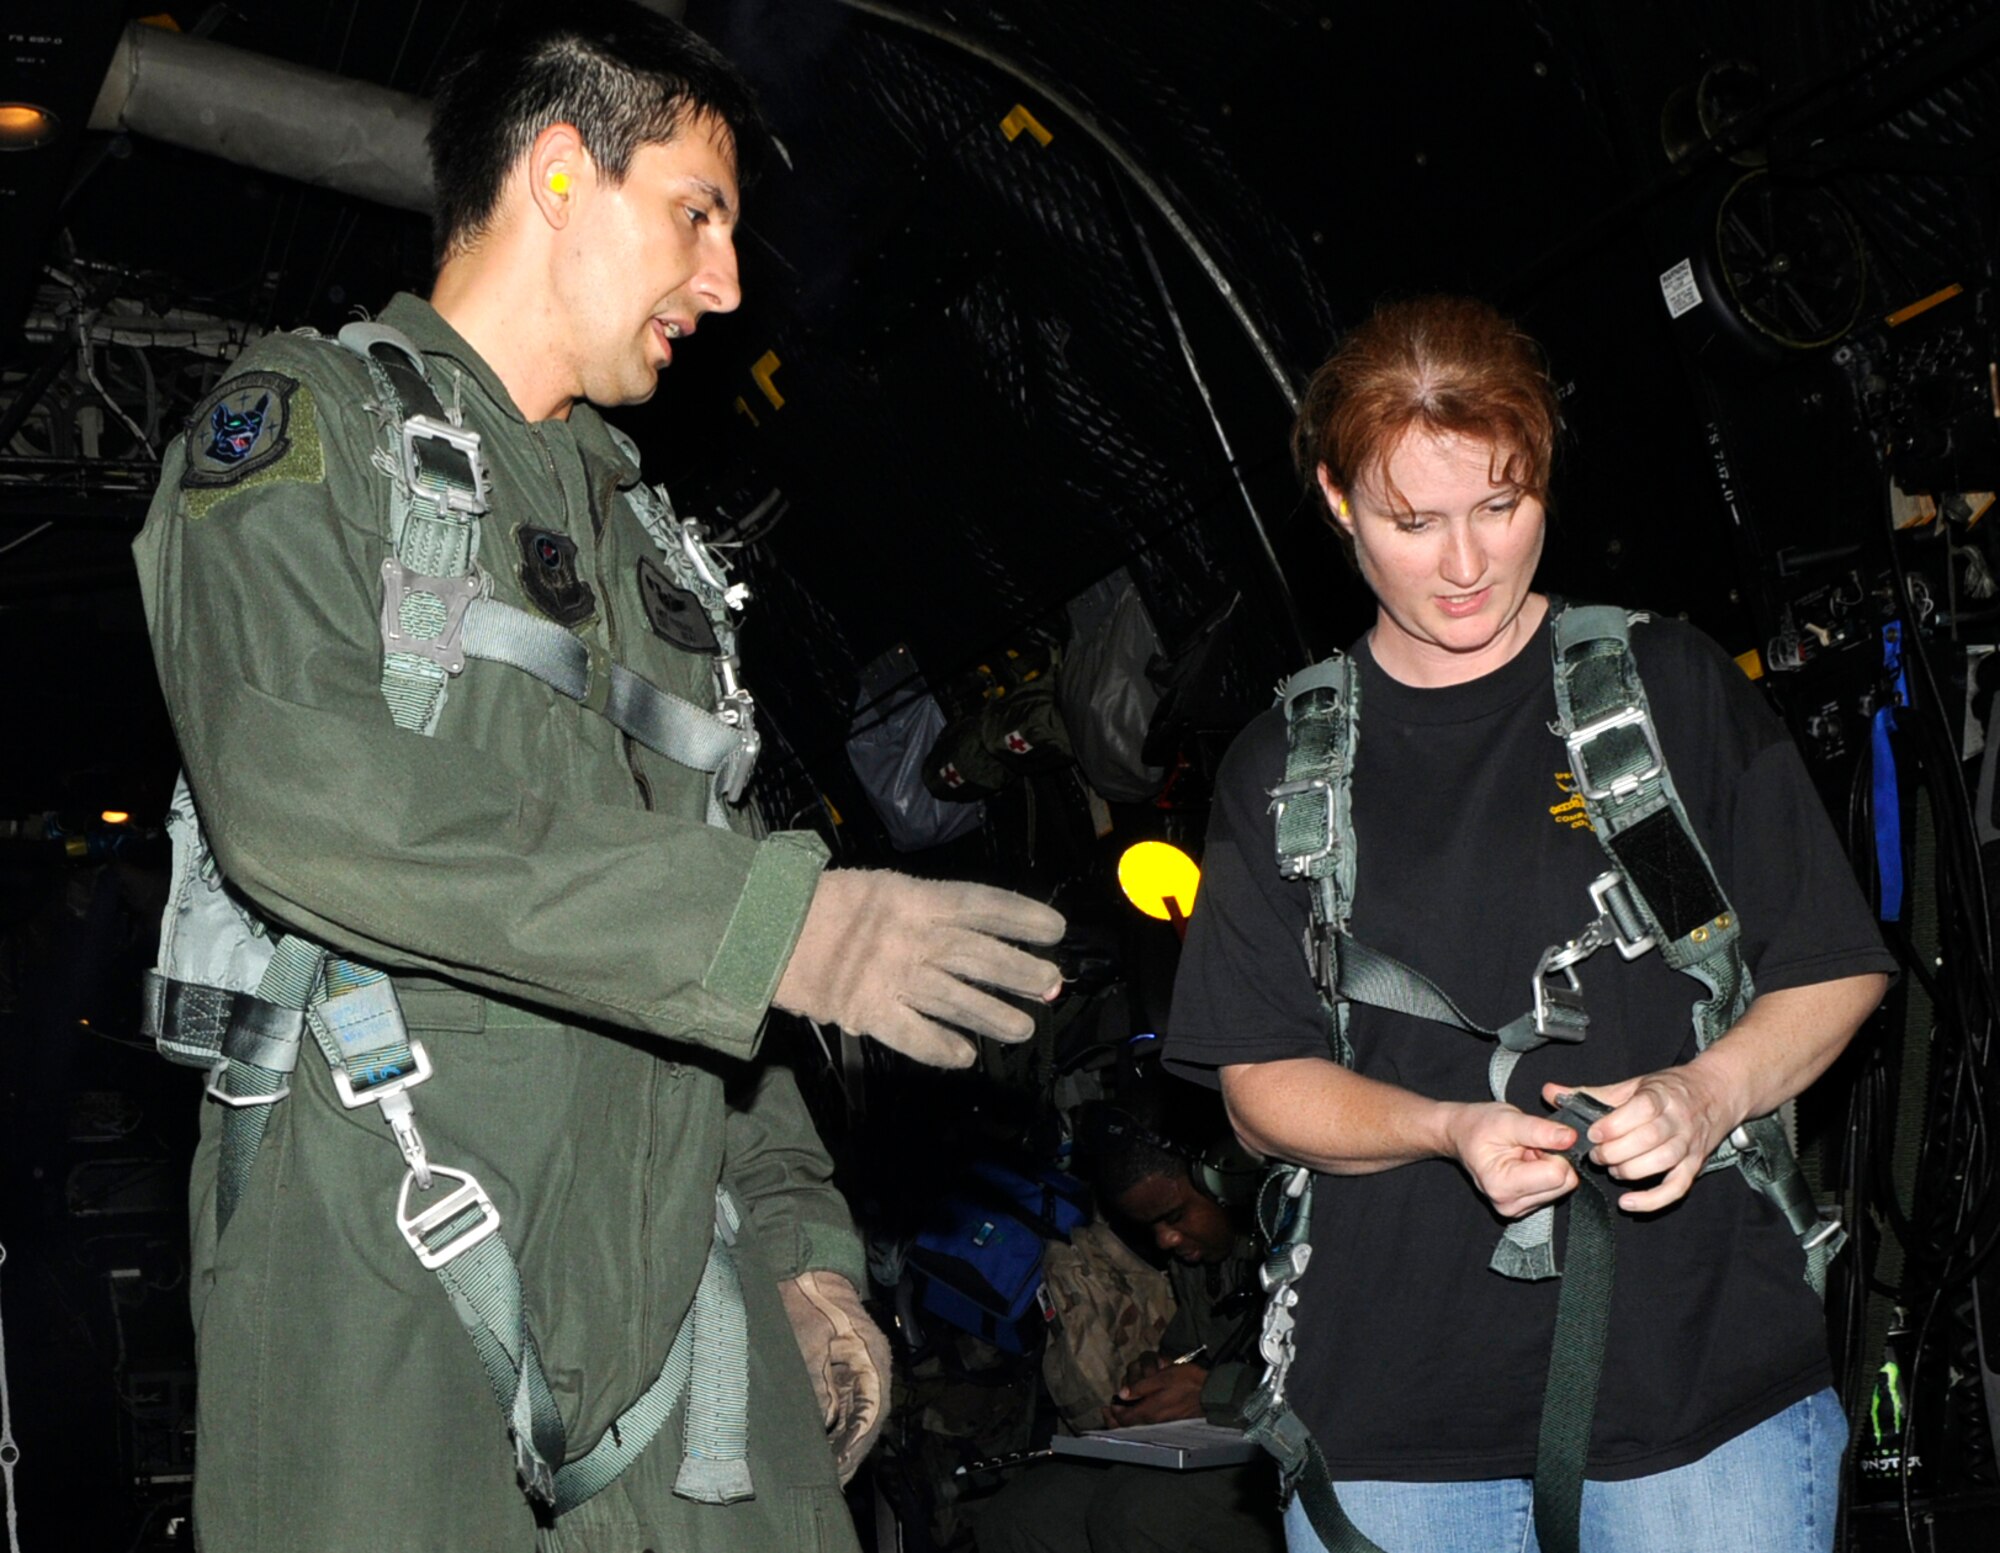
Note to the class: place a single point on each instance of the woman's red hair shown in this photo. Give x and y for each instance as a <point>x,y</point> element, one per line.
<point>1447,366</point>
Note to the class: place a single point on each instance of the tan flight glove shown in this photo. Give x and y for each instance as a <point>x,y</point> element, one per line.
<point>848,1359</point>
<point>887,955</point>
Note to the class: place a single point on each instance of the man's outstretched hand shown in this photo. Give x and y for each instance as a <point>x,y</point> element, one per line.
<point>897,958</point>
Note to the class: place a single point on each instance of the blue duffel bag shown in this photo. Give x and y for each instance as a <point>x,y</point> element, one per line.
<point>978,1263</point>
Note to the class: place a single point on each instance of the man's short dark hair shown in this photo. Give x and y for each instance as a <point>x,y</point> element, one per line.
<point>624,76</point>
<point>1123,1153</point>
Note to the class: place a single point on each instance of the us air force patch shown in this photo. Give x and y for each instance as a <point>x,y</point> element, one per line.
<point>549,576</point>
<point>257,428</point>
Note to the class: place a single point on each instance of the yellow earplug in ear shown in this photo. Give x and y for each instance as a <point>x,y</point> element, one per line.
<point>559,183</point>
<point>1343,506</point>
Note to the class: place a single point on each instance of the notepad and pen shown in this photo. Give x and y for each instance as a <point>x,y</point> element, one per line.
<point>1180,1445</point>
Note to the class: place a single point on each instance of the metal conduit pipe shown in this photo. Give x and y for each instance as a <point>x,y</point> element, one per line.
<point>284,119</point>
<point>1148,185</point>
<point>1157,196</point>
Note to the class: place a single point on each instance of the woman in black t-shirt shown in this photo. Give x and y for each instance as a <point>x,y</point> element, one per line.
<point>1430,435</point>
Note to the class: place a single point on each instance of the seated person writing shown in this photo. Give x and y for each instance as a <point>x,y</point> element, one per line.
<point>1196,1204</point>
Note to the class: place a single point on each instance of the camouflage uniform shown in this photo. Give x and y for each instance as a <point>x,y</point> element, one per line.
<point>1084,1507</point>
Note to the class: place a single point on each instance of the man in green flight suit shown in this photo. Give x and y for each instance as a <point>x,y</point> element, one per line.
<point>511,899</point>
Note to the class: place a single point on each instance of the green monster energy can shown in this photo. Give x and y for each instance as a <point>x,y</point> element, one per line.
<point>1881,1441</point>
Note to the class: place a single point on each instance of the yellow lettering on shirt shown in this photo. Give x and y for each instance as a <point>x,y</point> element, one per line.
<point>1571,813</point>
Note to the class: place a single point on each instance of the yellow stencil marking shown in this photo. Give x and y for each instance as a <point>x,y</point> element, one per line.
<point>1021,119</point>
<point>743,408</point>
<point>1903,315</point>
<point>761,375</point>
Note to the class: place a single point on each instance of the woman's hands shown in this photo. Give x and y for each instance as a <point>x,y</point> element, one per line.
<point>1663,1124</point>
<point>1513,1158</point>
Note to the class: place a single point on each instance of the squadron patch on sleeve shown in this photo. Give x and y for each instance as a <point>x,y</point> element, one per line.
<point>549,576</point>
<point>257,428</point>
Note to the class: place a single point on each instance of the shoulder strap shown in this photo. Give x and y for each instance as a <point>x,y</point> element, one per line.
<point>1606,722</point>
<point>436,612</point>
<point>1667,882</point>
<point>437,493</point>
<point>1314,817</point>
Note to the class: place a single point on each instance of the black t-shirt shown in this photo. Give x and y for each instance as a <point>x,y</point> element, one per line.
<point>1415,1361</point>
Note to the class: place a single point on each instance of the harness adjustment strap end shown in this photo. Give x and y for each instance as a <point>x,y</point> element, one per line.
<point>153,989</point>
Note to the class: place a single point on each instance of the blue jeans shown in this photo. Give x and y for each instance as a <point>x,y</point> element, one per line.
<point>1774,1488</point>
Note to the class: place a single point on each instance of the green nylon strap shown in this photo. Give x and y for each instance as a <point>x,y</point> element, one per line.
<point>715,1464</point>
<point>359,1025</point>
<point>485,1288</point>
<point>289,980</point>
<point>1315,818</point>
<point>1322,1506</point>
<point>1576,1357</point>
<point>431,529</point>
<point>708,1364</point>
<point>1644,829</point>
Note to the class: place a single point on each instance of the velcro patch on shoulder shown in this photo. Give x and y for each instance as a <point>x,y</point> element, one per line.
<point>258,428</point>
<point>675,614</point>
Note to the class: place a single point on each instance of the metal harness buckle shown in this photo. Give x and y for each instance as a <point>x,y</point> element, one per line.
<point>433,483</point>
<point>1625,717</point>
<point>1281,796</point>
<point>737,709</point>
<point>447,648</point>
<point>1559,1012</point>
<point>1282,1268</point>
<point>467,1194</point>
<point>1606,925</point>
<point>213,1089</point>
<point>393,1097</point>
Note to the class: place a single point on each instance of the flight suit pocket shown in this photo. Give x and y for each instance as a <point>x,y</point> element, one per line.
<point>442,1008</point>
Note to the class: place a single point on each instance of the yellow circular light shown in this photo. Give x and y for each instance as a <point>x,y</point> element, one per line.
<point>1152,873</point>
<point>115,817</point>
<point>24,126</point>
